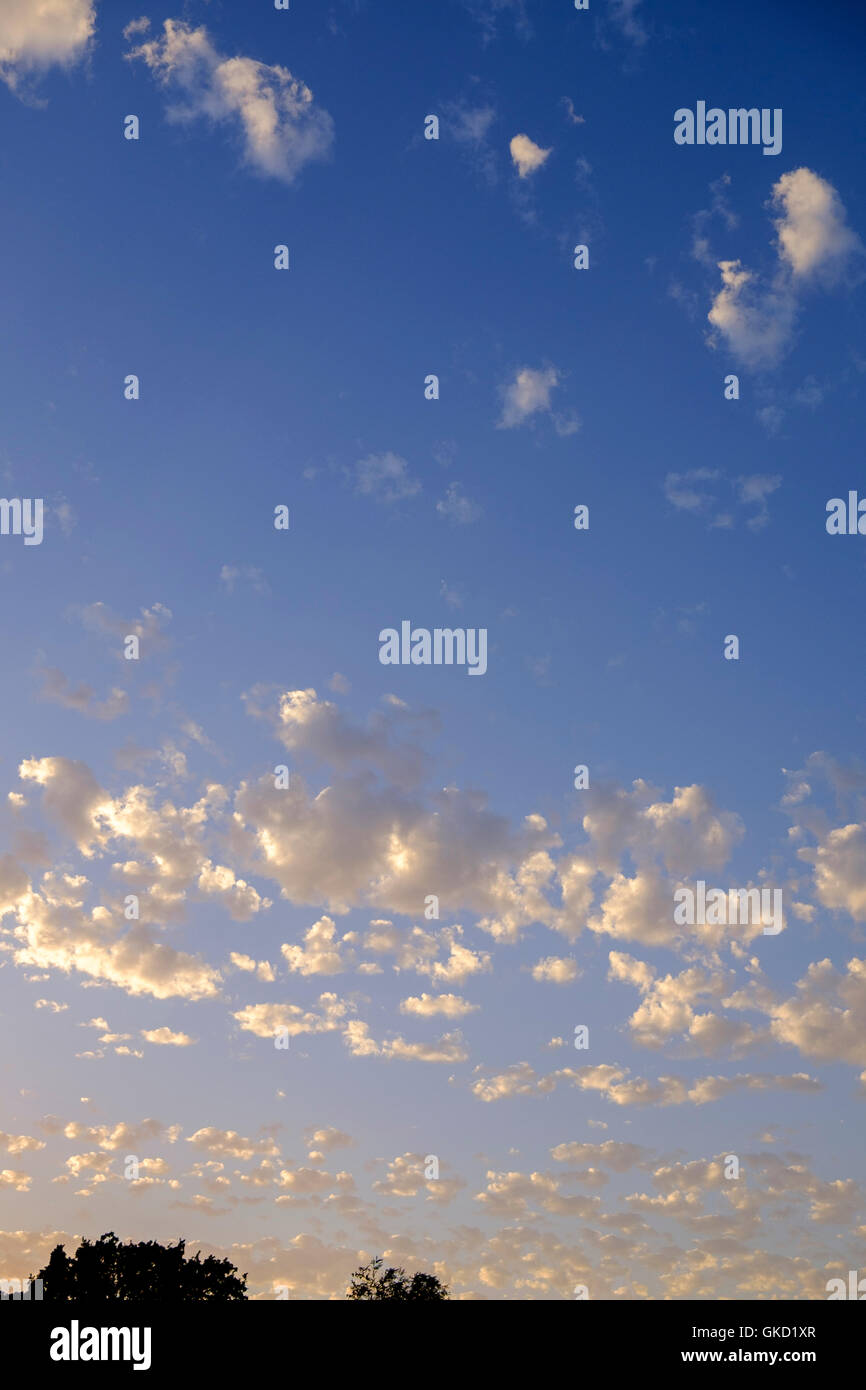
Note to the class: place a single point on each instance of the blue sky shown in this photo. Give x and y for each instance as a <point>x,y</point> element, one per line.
<point>259,647</point>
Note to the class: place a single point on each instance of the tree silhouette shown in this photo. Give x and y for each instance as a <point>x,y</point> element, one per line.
<point>145,1272</point>
<point>370,1282</point>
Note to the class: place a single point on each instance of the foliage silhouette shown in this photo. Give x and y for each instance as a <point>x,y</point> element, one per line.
<point>369,1282</point>
<point>144,1272</point>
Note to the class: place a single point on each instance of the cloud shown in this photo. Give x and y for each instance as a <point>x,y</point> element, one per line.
<point>757,324</point>
<point>615,1085</point>
<point>98,617</point>
<point>38,34</point>
<point>164,1037</point>
<point>19,1143</point>
<point>691,492</point>
<point>613,1154</point>
<point>571,113</point>
<point>429,1005</point>
<point>123,1135</point>
<point>11,1177</point>
<point>281,126</point>
<point>385,477</point>
<point>826,1018</point>
<point>457,508</point>
<point>232,1145</point>
<point>324,1138</point>
<point>839,866</point>
<point>556,970</point>
<point>264,1020</point>
<point>813,244</point>
<point>448,1049</point>
<point>54,930</point>
<point>56,688</point>
<point>813,232</point>
<point>321,953</point>
<point>262,968</point>
<point>405,1177</point>
<point>526,155</point>
<point>306,724</point>
<point>528,394</point>
<point>469,127</point>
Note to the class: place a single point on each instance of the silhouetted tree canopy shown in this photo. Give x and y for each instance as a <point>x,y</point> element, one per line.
<point>144,1272</point>
<point>370,1281</point>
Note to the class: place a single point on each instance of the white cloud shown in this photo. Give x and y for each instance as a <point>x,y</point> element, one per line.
<point>813,232</point>
<point>282,127</point>
<point>814,243</point>
<point>321,954</point>
<point>37,34</point>
<point>555,969</point>
<point>527,394</point>
<point>526,155</point>
<point>164,1037</point>
<point>756,323</point>
<point>429,1005</point>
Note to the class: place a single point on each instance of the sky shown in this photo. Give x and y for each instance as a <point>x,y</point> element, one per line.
<point>419,995</point>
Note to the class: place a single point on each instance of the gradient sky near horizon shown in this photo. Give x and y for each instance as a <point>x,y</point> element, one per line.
<point>304,909</point>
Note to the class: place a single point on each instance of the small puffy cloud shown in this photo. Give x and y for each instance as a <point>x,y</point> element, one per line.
<point>323,1139</point>
<point>19,1143</point>
<point>119,1136</point>
<point>527,394</point>
<point>321,953</point>
<point>385,477</point>
<point>826,1018</point>
<point>813,232</point>
<point>406,1177</point>
<point>613,1154</point>
<point>429,1005</point>
<point>241,900</point>
<point>615,1085</point>
<point>11,1177</point>
<point>281,126</point>
<point>264,1020</point>
<point>230,1144</point>
<point>757,324</point>
<point>449,1048</point>
<point>164,1037</point>
<point>526,155</point>
<point>38,34</point>
<point>262,968</point>
<point>555,970</point>
<point>839,865</point>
